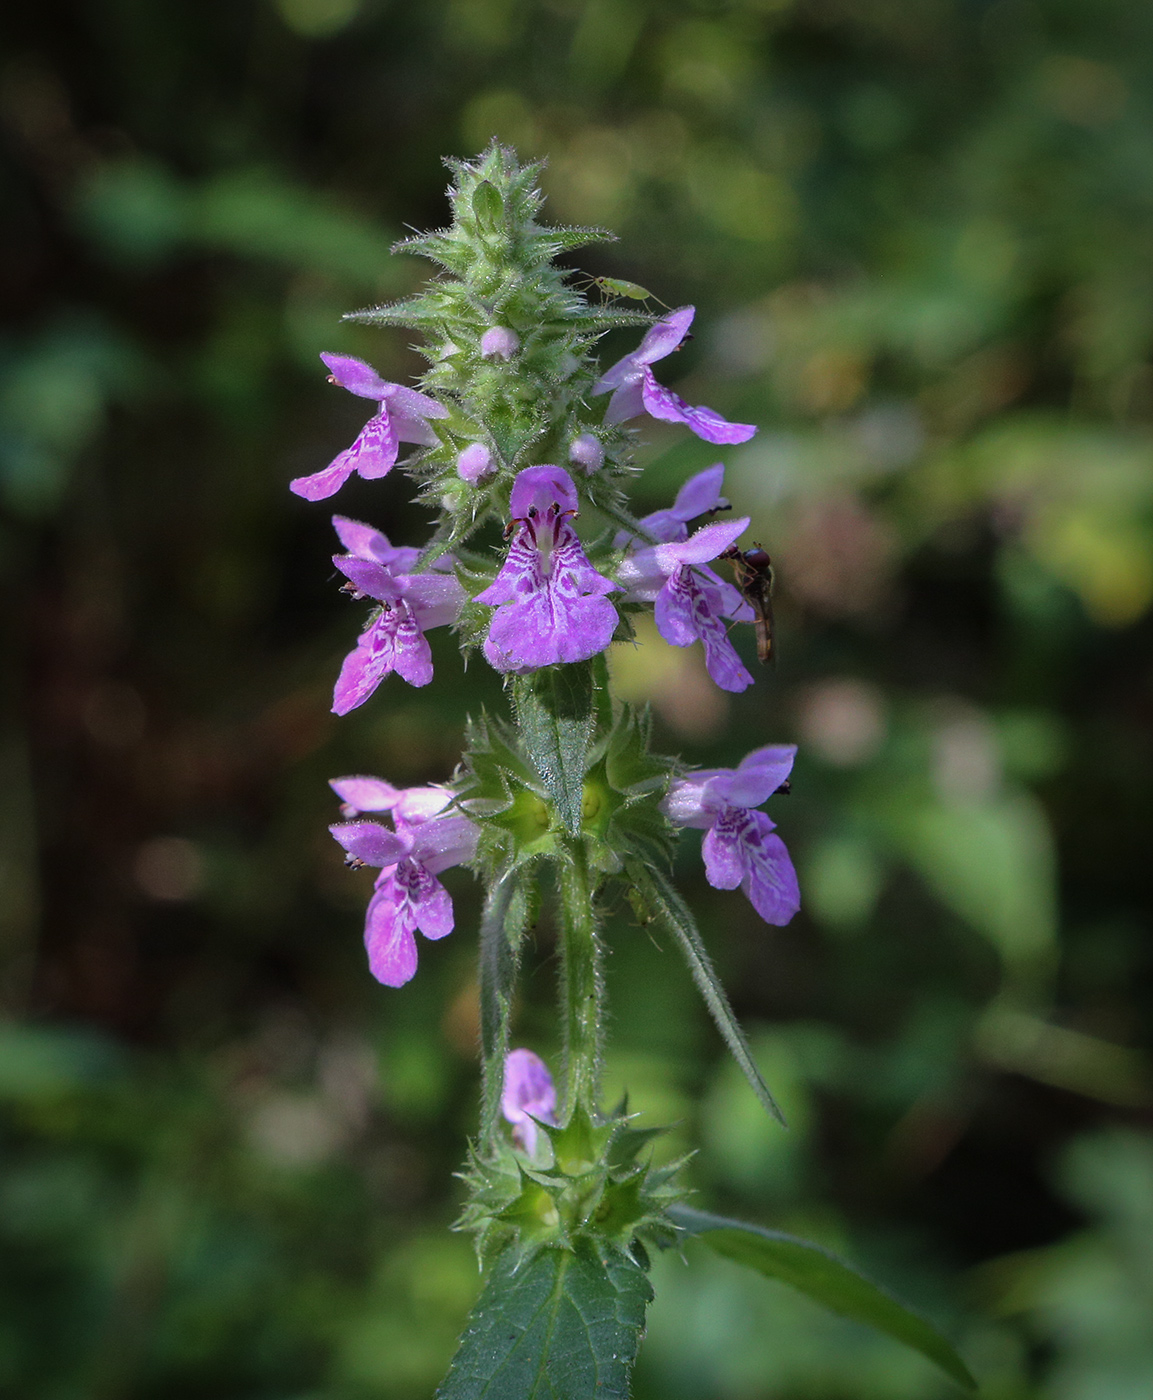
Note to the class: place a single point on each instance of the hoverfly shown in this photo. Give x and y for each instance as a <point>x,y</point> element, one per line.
<point>753,573</point>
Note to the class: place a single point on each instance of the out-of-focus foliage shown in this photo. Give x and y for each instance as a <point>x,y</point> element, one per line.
<point>919,239</point>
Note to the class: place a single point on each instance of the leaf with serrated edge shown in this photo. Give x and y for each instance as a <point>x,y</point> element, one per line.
<point>824,1277</point>
<point>554,709</point>
<point>666,904</point>
<point>564,1325</point>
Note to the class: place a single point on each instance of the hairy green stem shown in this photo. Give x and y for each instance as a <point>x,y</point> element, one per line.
<point>582,985</point>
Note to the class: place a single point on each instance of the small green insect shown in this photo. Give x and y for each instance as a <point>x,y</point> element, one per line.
<point>617,287</point>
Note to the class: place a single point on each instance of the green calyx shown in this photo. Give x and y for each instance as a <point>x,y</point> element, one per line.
<point>586,1184</point>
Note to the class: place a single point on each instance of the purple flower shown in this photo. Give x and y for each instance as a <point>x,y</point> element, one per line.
<point>550,603</point>
<point>401,418</point>
<point>394,639</point>
<point>475,464</point>
<point>690,601</point>
<point>407,895</point>
<point>637,391</point>
<point>528,1094</point>
<point>499,343</point>
<point>740,848</point>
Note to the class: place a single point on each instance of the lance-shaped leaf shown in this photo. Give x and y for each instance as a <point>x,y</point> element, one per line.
<point>826,1278</point>
<point>564,1325</point>
<point>670,910</point>
<point>554,709</point>
<point>507,914</point>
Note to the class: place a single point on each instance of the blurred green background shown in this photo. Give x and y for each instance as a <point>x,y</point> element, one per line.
<point>919,237</point>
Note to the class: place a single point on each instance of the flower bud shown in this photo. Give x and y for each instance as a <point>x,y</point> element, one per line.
<point>475,463</point>
<point>587,453</point>
<point>499,343</point>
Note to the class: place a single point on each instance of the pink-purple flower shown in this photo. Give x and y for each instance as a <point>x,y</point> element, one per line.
<point>691,602</point>
<point>401,417</point>
<point>740,848</point>
<point>528,1097</point>
<point>411,603</point>
<point>635,388</point>
<point>549,600</point>
<point>407,895</point>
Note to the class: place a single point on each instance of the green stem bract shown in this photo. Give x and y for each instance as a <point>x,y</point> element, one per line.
<point>582,984</point>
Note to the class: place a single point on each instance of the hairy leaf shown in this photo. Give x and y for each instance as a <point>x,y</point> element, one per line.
<point>564,1325</point>
<point>666,905</point>
<point>826,1278</point>
<point>554,709</point>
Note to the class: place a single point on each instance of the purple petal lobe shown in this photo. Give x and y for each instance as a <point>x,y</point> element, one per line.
<point>388,936</point>
<point>700,493</point>
<point>674,610</point>
<point>367,664</point>
<point>723,850</point>
<point>356,376</point>
<point>412,655</point>
<point>662,403</point>
<point>427,899</point>
<point>370,578</point>
<point>542,487</point>
<point>760,774</point>
<point>320,485</point>
<point>660,340</point>
<point>366,542</point>
<point>364,794</point>
<point>724,666</point>
<point>702,546</point>
<point>771,882</point>
<point>373,454</point>
<point>370,842</point>
<point>416,806</point>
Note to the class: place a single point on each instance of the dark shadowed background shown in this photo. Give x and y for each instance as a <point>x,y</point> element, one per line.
<point>919,240</point>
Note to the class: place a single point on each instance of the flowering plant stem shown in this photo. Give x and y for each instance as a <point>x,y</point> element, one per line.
<point>582,983</point>
<point>564,1201</point>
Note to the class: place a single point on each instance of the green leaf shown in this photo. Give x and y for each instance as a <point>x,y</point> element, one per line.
<point>666,905</point>
<point>827,1279</point>
<point>487,206</point>
<point>554,709</point>
<point>564,1325</point>
<point>507,913</point>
